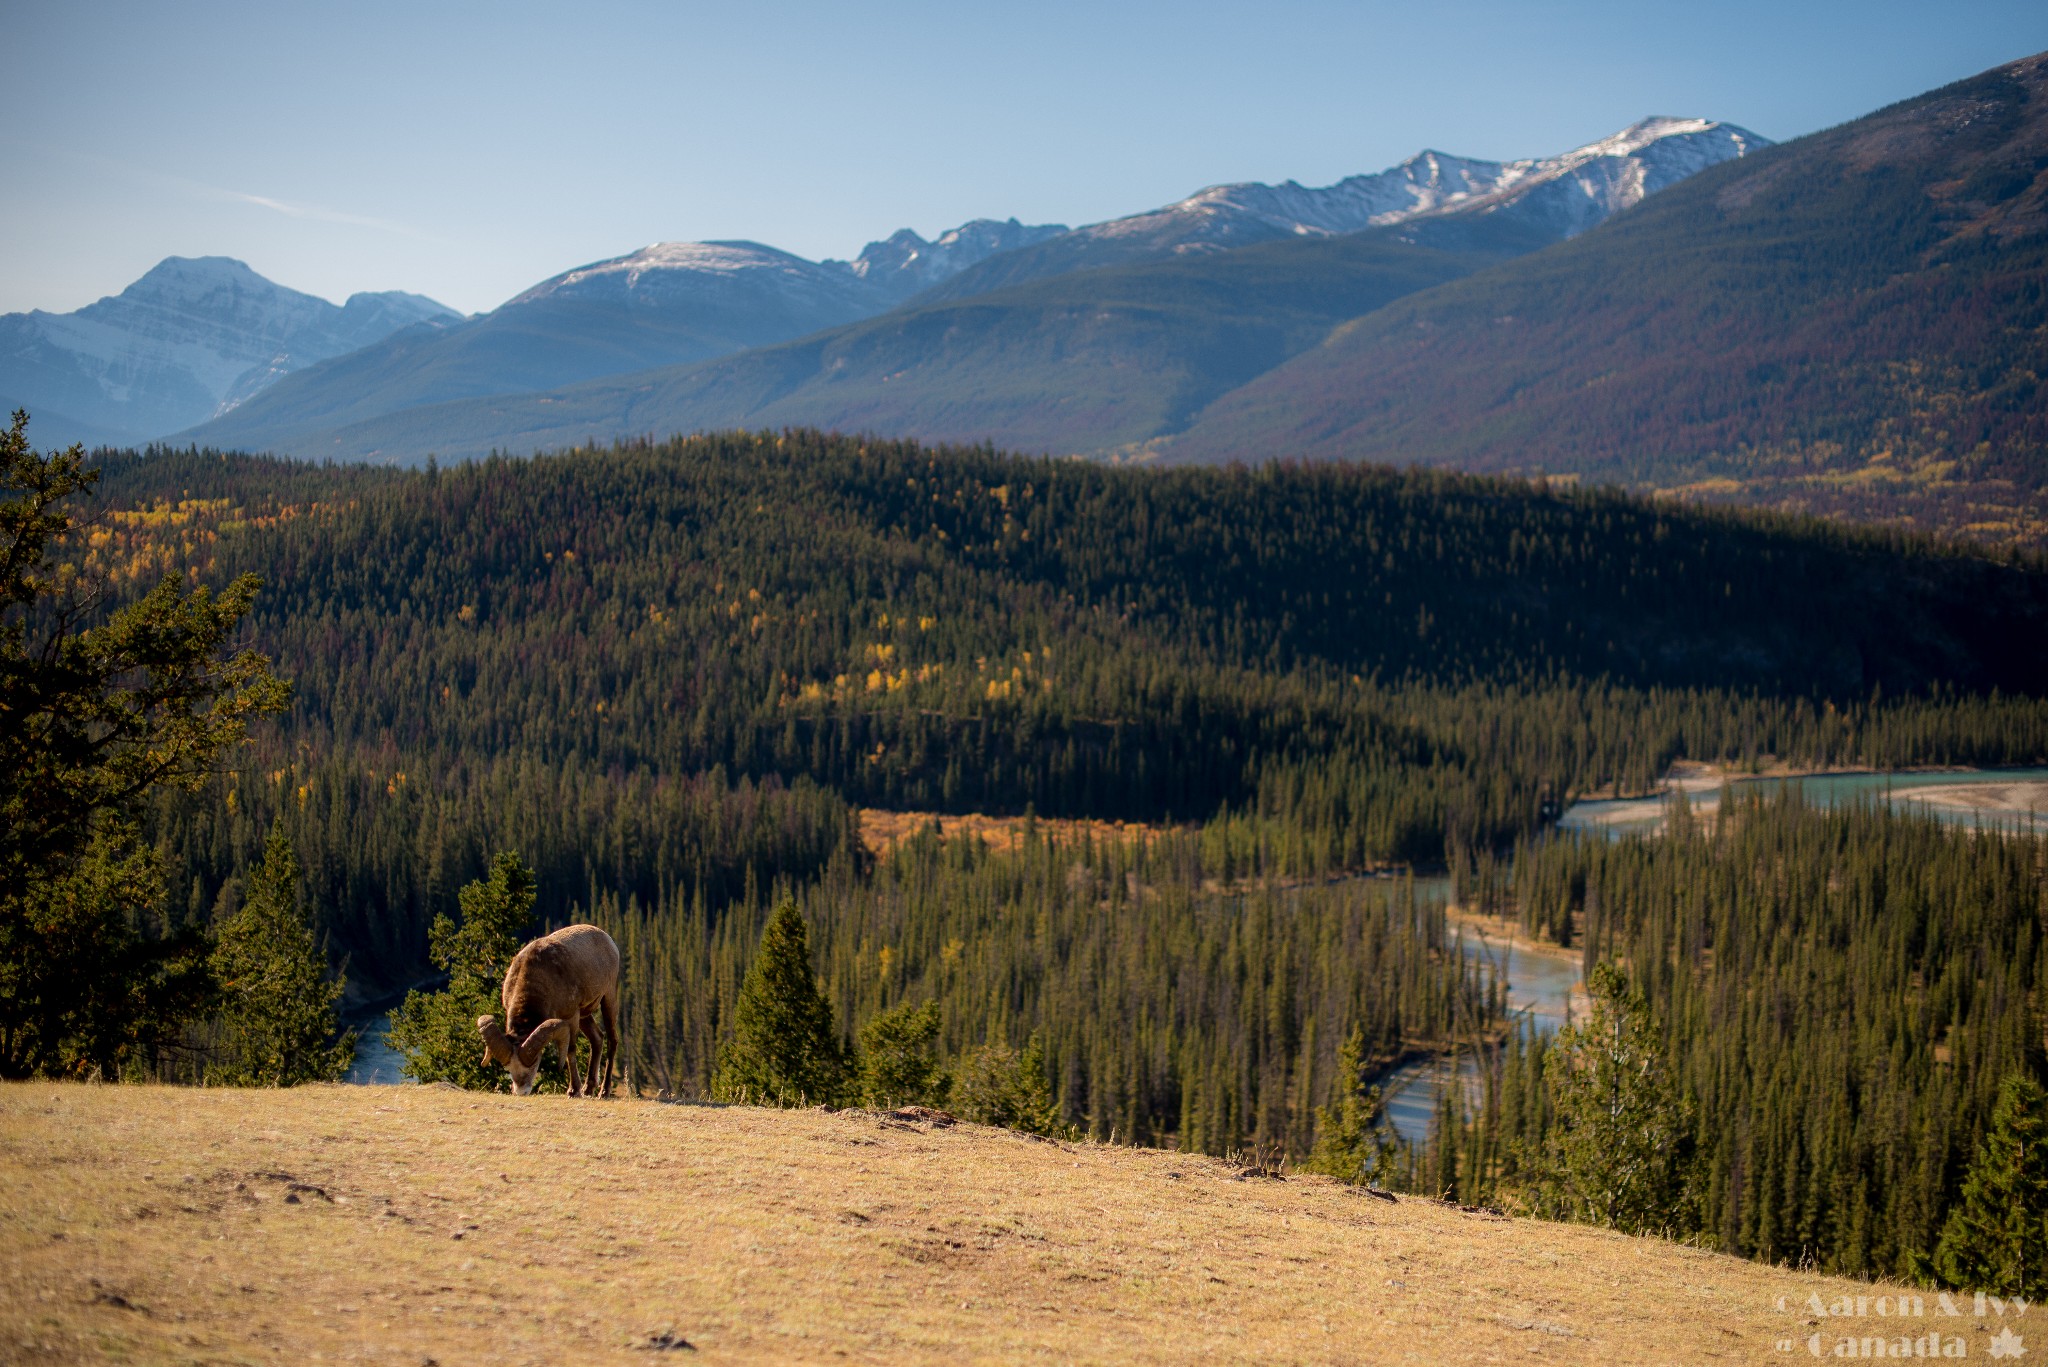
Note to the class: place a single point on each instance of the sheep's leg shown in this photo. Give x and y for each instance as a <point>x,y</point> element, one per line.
<point>589,1024</point>
<point>569,1059</point>
<point>610,1005</point>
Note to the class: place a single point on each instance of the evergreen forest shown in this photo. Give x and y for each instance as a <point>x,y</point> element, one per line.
<point>1838,996</point>
<point>1229,715</point>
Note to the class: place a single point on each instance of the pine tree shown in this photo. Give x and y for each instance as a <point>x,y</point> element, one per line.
<point>278,1024</point>
<point>783,1051</point>
<point>899,1063</point>
<point>436,1031</point>
<point>100,710</point>
<point>1996,1240</point>
<point>1351,1137</point>
<point>1621,1145</point>
<point>1443,1155</point>
<point>996,1085</point>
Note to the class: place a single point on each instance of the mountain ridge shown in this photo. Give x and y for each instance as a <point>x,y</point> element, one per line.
<point>669,303</point>
<point>1607,175</point>
<point>1849,323</point>
<point>938,369</point>
<point>190,339</point>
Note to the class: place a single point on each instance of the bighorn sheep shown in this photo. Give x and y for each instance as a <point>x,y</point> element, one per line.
<point>554,987</point>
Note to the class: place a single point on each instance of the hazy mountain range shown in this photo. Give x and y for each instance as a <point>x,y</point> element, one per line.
<point>186,342</point>
<point>196,338</point>
<point>608,349</point>
<point>674,304</point>
<point>1848,322</point>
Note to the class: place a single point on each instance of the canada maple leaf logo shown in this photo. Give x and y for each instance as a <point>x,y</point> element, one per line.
<point>2006,1344</point>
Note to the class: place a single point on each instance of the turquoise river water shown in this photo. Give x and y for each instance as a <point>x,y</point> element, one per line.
<point>1540,985</point>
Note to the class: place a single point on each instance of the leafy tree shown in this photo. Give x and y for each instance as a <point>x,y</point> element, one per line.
<point>278,1023</point>
<point>1620,1148</point>
<point>783,1051</point>
<point>996,1085</point>
<point>1996,1240</point>
<point>98,708</point>
<point>899,1062</point>
<point>436,1031</point>
<point>1352,1144</point>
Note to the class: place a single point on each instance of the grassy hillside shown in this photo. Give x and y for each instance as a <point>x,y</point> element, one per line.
<point>1083,362</point>
<point>1851,322</point>
<point>405,1225</point>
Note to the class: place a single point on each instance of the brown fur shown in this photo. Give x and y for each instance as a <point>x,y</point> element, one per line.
<point>556,987</point>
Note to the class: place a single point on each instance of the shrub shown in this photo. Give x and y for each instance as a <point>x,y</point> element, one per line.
<point>1996,1240</point>
<point>1352,1144</point>
<point>1620,1152</point>
<point>995,1085</point>
<point>436,1031</point>
<point>899,1064</point>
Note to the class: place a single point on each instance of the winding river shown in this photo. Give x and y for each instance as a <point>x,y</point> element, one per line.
<point>2009,799</point>
<point>1541,981</point>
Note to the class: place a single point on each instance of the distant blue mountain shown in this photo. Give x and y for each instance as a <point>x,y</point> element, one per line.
<point>188,341</point>
<point>1105,339</point>
<point>669,304</point>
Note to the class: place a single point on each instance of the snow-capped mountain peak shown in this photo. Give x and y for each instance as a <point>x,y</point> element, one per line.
<point>656,270</point>
<point>893,268</point>
<point>191,338</point>
<point>1567,194</point>
<point>903,263</point>
<point>1610,174</point>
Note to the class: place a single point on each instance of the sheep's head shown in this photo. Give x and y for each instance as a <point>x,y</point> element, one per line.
<point>521,1060</point>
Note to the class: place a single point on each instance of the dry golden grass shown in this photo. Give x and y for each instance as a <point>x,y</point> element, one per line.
<point>403,1225</point>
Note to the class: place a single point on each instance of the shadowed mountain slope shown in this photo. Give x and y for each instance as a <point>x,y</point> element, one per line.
<point>1030,337</point>
<point>1855,321</point>
<point>672,303</point>
<point>1083,362</point>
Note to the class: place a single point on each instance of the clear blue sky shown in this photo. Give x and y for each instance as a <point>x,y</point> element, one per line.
<point>467,151</point>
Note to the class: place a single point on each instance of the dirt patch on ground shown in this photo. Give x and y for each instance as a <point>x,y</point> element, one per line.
<point>883,831</point>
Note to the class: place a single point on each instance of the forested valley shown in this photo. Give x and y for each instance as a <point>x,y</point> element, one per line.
<point>1231,712</point>
<point>1837,995</point>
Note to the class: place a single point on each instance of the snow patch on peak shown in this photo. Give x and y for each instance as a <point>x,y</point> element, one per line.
<point>196,275</point>
<point>191,334</point>
<point>903,263</point>
<point>1606,175</point>
<point>1582,188</point>
<point>1636,137</point>
<point>627,272</point>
